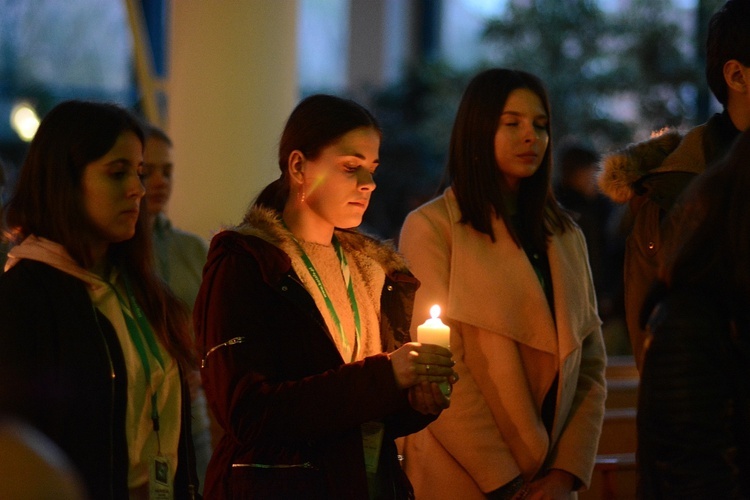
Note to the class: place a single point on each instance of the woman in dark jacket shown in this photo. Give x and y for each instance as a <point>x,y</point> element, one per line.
<point>694,404</point>
<point>92,344</point>
<point>303,326</point>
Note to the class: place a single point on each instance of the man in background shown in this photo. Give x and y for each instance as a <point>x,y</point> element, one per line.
<point>650,176</point>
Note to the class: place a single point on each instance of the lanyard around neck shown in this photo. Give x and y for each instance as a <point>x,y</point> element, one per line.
<point>138,330</point>
<point>329,304</point>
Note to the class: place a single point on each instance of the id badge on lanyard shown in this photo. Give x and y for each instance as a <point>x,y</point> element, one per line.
<point>160,485</point>
<point>159,472</point>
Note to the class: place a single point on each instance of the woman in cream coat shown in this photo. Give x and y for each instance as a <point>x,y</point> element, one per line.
<point>511,271</point>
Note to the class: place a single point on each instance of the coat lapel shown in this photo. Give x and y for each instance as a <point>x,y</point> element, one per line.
<point>502,271</point>
<point>575,311</point>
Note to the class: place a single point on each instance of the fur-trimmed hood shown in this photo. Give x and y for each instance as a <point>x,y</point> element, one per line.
<point>666,151</point>
<point>265,223</point>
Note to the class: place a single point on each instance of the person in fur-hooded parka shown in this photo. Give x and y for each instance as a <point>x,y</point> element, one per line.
<point>650,176</point>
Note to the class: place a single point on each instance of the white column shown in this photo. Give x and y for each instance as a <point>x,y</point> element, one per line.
<point>232,83</point>
<point>381,42</point>
<point>366,45</point>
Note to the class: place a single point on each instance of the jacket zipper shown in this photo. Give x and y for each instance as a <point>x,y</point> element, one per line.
<point>235,340</point>
<point>189,448</point>
<point>111,400</point>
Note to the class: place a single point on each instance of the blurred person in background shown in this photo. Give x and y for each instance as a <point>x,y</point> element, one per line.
<point>651,175</point>
<point>33,467</point>
<point>694,396</point>
<point>577,167</point>
<point>180,257</point>
<point>3,236</point>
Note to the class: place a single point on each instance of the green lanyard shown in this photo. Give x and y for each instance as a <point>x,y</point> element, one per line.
<point>349,289</point>
<point>138,329</point>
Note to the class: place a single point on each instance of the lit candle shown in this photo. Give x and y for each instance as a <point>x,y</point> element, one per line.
<point>434,331</point>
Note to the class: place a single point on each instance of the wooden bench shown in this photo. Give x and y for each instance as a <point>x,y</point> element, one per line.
<point>622,382</point>
<point>617,474</point>
<point>615,470</point>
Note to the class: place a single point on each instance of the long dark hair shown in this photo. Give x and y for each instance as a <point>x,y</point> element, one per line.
<point>317,121</point>
<point>477,182</point>
<point>48,202</point>
<point>710,247</point>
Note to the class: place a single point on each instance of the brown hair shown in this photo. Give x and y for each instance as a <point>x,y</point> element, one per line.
<point>317,121</point>
<point>728,38</point>
<point>47,202</point>
<point>472,169</point>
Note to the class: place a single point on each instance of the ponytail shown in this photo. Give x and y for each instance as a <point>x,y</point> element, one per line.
<point>274,195</point>
<point>316,122</point>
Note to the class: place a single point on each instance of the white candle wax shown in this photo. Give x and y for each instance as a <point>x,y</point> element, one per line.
<point>434,331</point>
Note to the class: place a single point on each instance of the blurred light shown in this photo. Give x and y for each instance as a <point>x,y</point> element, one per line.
<point>24,120</point>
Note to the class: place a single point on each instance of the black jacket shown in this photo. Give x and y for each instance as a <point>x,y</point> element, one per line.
<point>62,370</point>
<point>694,401</point>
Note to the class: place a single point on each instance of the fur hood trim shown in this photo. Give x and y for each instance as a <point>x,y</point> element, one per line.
<point>621,169</point>
<point>266,224</point>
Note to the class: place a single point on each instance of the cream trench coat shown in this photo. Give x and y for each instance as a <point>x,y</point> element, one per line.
<point>507,349</point>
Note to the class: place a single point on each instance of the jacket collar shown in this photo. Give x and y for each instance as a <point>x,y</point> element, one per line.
<point>666,151</point>
<point>267,225</point>
<point>519,308</point>
<point>619,170</point>
<point>55,255</point>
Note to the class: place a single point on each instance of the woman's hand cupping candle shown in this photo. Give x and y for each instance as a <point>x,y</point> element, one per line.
<point>434,331</point>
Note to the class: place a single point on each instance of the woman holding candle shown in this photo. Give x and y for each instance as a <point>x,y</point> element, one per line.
<point>511,271</point>
<point>303,326</point>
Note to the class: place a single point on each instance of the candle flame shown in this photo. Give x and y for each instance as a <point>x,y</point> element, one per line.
<point>435,311</point>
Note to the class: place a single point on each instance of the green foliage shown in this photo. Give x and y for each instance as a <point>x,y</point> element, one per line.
<point>416,115</point>
<point>608,75</point>
<point>612,78</point>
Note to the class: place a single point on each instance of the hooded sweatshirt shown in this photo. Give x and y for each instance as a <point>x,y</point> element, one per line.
<point>142,440</point>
